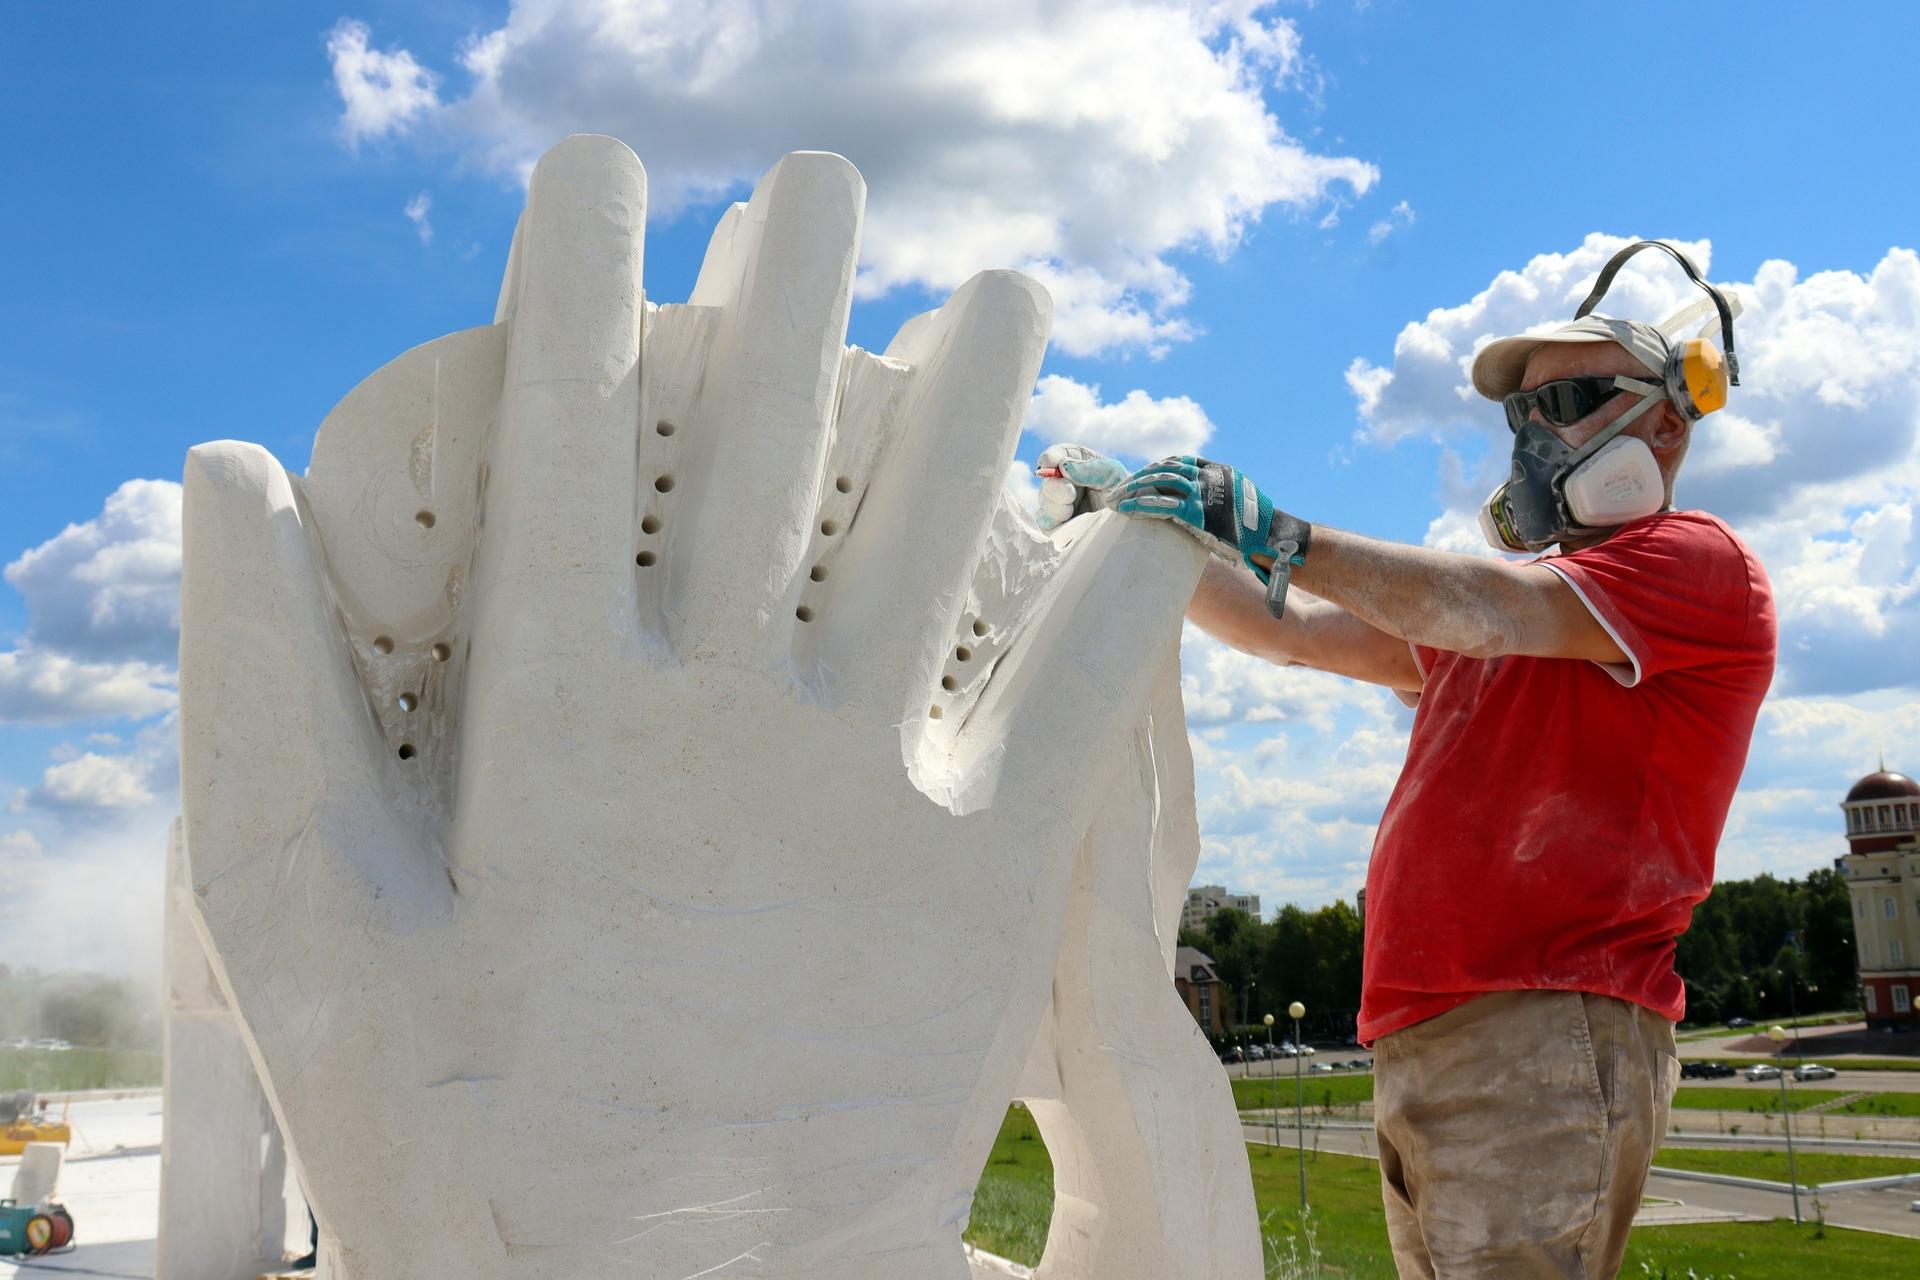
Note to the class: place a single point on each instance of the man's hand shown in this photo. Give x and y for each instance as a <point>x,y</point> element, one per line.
<point>1218,503</point>
<point>1076,480</point>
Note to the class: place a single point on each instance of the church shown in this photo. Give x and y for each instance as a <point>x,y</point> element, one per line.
<point>1882,868</point>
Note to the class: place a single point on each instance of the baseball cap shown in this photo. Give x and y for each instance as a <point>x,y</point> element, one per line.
<point>1501,365</point>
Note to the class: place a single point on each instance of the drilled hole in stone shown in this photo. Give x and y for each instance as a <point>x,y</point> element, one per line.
<point>408,702</point>
<point>424,519</point>
<point>844,484</point>
<point>406,751</point>
<point>803,613</point>
<point>963,653</point>
<point>383,644</point>
<point>979,626</point>
<point>650,524</point>
<point>663,427</point>
<point>933,712</point>
<point>664,484</point>
<point>829,528</point>
<point>949,683</point>
<point>442,652</point>
<point>645,559</point>
<point>818,573</point>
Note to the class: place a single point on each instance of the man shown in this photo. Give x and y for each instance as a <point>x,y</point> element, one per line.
<point>1583,718</point>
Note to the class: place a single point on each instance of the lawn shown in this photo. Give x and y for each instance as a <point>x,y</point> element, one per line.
<point>1321,1091</point>
<point>1344,1236</point>
<point>1763,1100</point>
<point>1809,1166</point>
<point>62,1070</point>
<point>1881,1104</point>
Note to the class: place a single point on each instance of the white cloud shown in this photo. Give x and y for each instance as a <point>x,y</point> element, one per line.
<point>1816,461</point>
<point>88,784</point>
<point>1090,142</point>
<point>109,587</point>
<point>92,782</point>
<point>380,93</point>
<point>41,687</point>
<point>1398,218</point>
<point>19,844</point>
<point>416,211</point>
<point>103,606</point>
<point>1137,425</point>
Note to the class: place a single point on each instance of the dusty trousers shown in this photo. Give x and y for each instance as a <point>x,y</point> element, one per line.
<point>1515,1133</point>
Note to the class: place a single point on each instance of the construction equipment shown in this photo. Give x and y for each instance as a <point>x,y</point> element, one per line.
<point>23,1119</point>
<point>26,1228</point>
<point>32,1221</point>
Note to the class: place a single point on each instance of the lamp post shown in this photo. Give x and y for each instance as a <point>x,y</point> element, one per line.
<point>1778,1035</point>
<point>1297,1011</point>
<point>1273,1084</point>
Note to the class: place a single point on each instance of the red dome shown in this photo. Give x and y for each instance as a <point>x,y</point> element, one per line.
<point>1884,785</point>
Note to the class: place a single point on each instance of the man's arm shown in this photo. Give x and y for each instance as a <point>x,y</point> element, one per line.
<point>1465,604</point>
<point>1231,605</point>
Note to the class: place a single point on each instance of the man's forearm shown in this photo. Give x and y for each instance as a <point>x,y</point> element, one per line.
<point>1434,598</point>
<point>1230,605</point>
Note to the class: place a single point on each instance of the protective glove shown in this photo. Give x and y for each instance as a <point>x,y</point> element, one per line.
<point>1075,480</point>
<point>1221,505</point>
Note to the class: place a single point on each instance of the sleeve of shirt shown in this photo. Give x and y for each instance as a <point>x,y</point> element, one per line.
<point>1674,592</point>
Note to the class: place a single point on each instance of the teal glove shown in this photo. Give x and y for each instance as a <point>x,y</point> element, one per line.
<point>1220,503</point>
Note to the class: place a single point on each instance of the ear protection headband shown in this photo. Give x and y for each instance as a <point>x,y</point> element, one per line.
<point>1696,376</point>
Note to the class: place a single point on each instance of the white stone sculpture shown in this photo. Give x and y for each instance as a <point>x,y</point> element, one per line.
<point>1150,1172</point>
<point>222,1164</point>
<point>633,782</point>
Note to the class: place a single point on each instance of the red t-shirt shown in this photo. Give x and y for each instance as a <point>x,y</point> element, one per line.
<point>1556,820</point>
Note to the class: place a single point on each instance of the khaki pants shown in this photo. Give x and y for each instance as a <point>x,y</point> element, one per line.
<point>1515,1133</point>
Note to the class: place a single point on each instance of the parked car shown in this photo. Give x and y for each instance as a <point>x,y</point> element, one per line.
<point>1361,1064</point>
<point>1256,1053</point>
<point>1319,1066</point>
<point>1705,1071</point>
<point>1813,1071</point>
<point>1762,1071</point>
<point>17,1042</point>
<point>1232,1054</point>
<point>1739,1022</point>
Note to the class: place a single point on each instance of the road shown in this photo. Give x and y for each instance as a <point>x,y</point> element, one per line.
<point>1884,1209</point>
<point>1847,1081</point>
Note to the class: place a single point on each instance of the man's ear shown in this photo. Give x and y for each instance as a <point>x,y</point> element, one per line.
<point>1670,432</point>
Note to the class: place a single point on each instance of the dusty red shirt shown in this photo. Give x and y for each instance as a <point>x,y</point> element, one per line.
<point>1556,820</point>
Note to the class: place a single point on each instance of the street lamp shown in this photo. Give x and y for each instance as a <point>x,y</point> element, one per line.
<point>1778,1034</point>
<point>1297,1011</point>
<point>1273,1084</point>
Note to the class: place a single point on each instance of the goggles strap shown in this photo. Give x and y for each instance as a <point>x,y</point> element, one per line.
<point>1650,395</point>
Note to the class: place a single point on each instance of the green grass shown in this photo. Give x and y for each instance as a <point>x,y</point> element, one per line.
<point>1881,1104</point>
<point>60,1071</point>
<point>1764,1101</point>
<point>1349,1237</point>
<point>1321,1091</point>
<point>1810,1166</point>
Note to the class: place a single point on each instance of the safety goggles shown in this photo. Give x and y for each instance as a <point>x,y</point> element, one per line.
<point>1562,402</point>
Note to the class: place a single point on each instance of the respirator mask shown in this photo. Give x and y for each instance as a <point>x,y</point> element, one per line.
<point>1556,491</point>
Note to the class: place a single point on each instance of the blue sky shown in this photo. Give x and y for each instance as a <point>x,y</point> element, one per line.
<point>207,218</point>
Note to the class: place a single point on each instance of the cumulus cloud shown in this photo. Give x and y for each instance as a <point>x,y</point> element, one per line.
<point>1090,142</point>
<point>103,612</point>
<point>88,784</point>
<point>417,210</point>
<point>380,93</point>
<point>1816,460</point>
<point>1137,425</point>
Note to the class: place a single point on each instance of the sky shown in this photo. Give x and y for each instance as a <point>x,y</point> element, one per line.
<point>1273,233</point>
